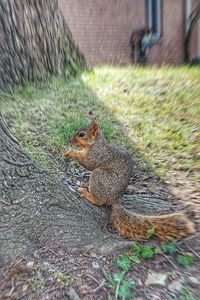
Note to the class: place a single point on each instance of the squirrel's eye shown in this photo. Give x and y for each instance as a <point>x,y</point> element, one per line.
<point>81,134</point>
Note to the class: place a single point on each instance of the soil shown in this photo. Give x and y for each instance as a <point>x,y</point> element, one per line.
<point>55,273</point>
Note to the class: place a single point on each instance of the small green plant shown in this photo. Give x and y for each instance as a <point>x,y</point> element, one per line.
<point>134,253</point>
<point>157,250</point>
<point>185,259</point>
<point>170,247</point>
<point>184,294</point>
<point>37,282</point>
<point>62,278</point>
<point>123,287</point>
<point>187,295</point>
<point>124,262</point>
<point>147,252</point>
<point>135,249</point>
<point>150,233</point>
<point>135,259</point>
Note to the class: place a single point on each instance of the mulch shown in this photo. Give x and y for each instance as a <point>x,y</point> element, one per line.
<point>52,272</point>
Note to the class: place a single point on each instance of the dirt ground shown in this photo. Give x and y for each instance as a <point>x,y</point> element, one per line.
<point>57,273</point>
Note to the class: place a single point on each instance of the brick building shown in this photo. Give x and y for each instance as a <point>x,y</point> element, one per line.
<point>102,28</point>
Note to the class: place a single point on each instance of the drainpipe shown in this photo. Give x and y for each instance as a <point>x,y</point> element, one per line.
<point>184,27</point>
<point>198,37</point>
<point>194,20</point>
<point>186,37</point>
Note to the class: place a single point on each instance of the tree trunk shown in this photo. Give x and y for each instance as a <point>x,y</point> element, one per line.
<point>35,41</point>
<point>38,209</point>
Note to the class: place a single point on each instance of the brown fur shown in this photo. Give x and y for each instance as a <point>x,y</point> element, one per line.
<point>112,168</point>
<point>133,225</point>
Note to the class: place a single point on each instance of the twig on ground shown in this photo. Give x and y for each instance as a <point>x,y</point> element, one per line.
<point>170,261</point>
<point>92,277</point>
<point>118,286</point>
<point>67,271</point>
<point>102,285</point>
<point>104,273</point>
<point>69,186</point>
<point>53,252</point>
<point>193,251</point>
<point>72,294</point>
<point>50,290</point>
<point>11,290</point>
<point>184,240</point>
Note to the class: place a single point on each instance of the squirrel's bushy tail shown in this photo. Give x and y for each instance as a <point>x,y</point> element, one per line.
<point>132,225</point>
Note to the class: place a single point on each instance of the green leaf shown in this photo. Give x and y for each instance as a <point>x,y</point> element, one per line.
<point>147,252</point>
<point>157,250</point>
<point>185,259</point>
<point>124,262</point>
<point>111,280</point>
<point>118,277</point>
<point>135,259</point>
<point>135,248</point>
<point>125,289</point>
<point>169,248</point>
<point>150,233</point>
<point>187,295</point>
<point>129,282</point>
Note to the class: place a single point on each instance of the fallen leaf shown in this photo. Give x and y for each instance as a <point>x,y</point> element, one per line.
<point>156,278</point>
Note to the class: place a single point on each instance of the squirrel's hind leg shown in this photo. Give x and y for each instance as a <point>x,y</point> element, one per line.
<point>86,194</point>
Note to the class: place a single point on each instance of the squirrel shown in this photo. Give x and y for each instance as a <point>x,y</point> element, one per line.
<point>112,168</point>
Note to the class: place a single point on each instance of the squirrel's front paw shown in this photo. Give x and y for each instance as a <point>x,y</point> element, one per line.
<point>68,153</point>
<point>83,191</point>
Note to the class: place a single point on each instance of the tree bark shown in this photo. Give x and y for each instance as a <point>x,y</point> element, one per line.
<point>37,209</point>
<point>34,42</point>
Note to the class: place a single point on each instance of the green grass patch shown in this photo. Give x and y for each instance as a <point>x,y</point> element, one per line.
<point>154,112</point>
<point>160,109</point>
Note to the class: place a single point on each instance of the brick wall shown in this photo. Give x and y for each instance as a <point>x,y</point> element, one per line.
<point>102,29</point>
<point>170,48</point>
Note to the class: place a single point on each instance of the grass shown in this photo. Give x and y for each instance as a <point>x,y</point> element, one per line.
<point>152,112</point>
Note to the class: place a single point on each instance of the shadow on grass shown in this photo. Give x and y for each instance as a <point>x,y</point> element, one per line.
<point>44,115</point>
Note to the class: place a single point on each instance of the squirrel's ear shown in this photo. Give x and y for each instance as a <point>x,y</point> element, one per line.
<point>94,129</point>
